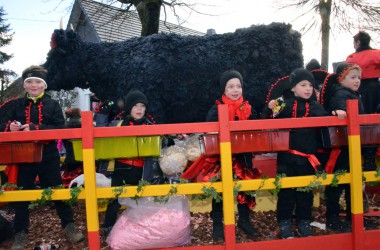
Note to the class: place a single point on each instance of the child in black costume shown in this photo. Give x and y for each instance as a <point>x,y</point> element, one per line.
<point>337,89</point>
<point>128,171</point>
<point>71,168</point>
<point>231,85</point>
<point>297,102</point>
<point>37,111</point>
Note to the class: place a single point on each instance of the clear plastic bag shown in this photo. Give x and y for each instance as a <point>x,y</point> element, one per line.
<point>173,160</point>
<point>192,147</point>
<point>147,224</point>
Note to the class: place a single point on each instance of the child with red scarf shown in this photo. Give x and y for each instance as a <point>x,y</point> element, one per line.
<point>298,102</point>
<point>231,85</point>
<point>37,111</point>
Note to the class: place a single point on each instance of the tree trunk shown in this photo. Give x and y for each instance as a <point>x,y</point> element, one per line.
<point>149,14</point>
<point>325,12</point>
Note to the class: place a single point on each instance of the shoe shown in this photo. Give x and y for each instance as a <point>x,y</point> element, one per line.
<point>217,231</point>
<point>304,228</point>
<point>244,222</point>
<point>21,238</point>
<point>72,233</point>
<point>247,227</point>
<point>285,229</point>
<point>217,226</point>
<point>335,224</point>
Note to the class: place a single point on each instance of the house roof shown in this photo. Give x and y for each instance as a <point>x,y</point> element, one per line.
<point>98,22</point>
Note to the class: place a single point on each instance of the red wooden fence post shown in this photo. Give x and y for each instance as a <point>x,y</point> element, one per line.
<point>227,178</point>
<point>354,149</point>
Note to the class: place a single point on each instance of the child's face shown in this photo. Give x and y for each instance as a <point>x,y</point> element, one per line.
<point>138,111</point>
<point>34,86</point>
<point>303,89</point>
<point>352,80</point>
<point>233,89</point>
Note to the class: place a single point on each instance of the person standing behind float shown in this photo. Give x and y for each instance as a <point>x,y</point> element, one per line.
<point>368,60</point>
<point>37,111</point>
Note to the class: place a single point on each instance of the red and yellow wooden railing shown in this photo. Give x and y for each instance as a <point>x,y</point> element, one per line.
<point>359,239</point>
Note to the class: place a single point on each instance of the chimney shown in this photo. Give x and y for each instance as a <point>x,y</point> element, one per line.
<point>210,32</point>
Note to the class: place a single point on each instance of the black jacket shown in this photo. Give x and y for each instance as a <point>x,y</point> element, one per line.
<point>52,118</point>
<point>339,97</point>
<point>305,140</point>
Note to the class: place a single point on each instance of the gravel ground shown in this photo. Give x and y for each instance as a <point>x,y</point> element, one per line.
<point>45,226</point>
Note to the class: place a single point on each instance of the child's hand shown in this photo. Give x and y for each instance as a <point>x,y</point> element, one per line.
<point>272,104</point>
<point>340,113</point>
<point>15,126</point>
<point>25,127</point>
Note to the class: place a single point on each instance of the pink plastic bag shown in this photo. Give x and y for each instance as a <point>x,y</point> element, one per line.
<point>149,224</point>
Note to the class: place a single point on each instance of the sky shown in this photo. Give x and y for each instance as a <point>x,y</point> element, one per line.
<point>33,22</point>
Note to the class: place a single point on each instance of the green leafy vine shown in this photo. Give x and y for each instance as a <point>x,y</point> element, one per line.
<point>140,190</point>
<point>164,199</point>
<point>314,183</point>
<point>236,190</point>
<point>74,193</point>
<point>11,186</point>
<point>335,179</point>
<point>277,183</point>
<point>45,198</point>
<point>264,178</point>
<point>209,191</point>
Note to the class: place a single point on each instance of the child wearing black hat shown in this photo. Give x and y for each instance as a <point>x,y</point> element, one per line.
<point>337,89</point>
<point>296,92</point>
<point>231,87</point>
<point>37,111</point>
<point>128,171</point>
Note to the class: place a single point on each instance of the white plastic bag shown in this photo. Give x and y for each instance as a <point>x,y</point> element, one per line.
<point>101,181</point>
<point>173,160</point>
<point>193,149</point>
<point>149,224</point>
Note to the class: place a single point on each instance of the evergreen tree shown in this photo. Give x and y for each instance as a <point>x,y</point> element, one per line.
<point>5,39</point>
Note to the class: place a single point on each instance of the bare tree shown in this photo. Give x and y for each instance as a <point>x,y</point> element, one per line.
<point>348,15</point>
<point>149,11</point>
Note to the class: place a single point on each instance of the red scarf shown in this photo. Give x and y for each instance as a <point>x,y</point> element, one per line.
<point>238,108</point>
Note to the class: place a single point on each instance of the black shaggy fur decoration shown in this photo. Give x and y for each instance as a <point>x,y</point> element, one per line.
<point>178,74</point>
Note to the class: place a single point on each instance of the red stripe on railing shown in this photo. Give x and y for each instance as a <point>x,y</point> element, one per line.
<point>352,118</point>
<point>87,131</point>
<point>224,124</point>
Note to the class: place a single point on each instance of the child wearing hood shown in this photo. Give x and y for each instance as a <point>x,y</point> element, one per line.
<point>129,170</point>
<point>297,102</point>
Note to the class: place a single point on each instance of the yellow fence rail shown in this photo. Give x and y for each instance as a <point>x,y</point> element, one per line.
<point>359,239</point>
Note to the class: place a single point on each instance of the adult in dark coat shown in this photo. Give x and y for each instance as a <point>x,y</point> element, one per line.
<point>37,111</point>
